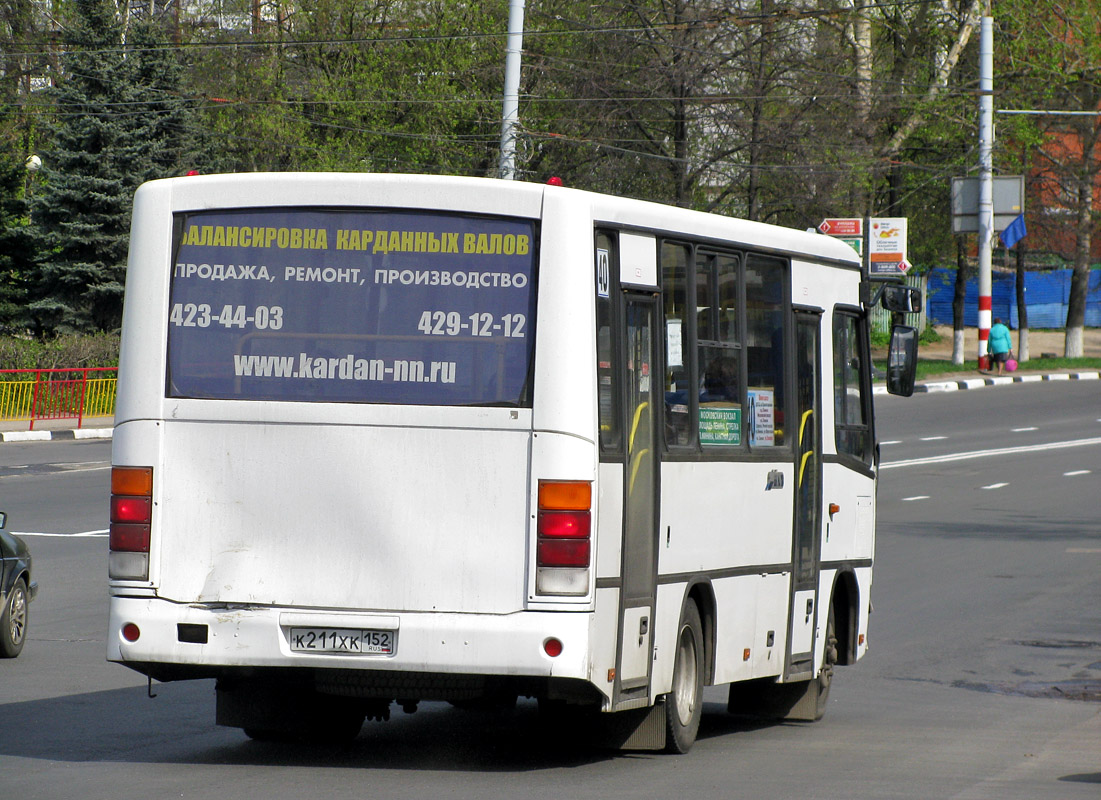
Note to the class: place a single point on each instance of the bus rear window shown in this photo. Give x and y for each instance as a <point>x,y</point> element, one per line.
<point>352,306</point>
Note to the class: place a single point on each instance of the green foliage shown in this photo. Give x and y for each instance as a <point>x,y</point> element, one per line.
<point>16,247</point>
<point>118,122</point>
<point>356,86</point>
<point>71,350</point>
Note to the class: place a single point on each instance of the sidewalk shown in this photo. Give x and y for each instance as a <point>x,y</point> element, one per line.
<point>56,429</point>
<point>1039,343</point>
<point>972,380</point>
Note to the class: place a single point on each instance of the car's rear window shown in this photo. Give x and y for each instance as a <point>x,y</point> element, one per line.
<point>362,306</point>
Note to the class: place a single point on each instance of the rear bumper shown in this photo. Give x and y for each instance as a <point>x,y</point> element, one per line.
<point>260,637</point>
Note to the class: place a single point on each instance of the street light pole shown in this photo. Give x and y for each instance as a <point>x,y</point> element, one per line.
<point>510,116</point>
<point>986,183</point>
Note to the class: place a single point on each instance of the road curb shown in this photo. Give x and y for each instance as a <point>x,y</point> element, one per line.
<point>46,436</point>
<point>963,384</point>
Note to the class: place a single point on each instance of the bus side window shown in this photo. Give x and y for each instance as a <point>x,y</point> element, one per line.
<point>722,422</point>
<point>764,303</point>
<point>850,366</point>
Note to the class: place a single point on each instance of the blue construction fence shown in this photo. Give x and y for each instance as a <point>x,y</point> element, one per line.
<point>1046,295</point>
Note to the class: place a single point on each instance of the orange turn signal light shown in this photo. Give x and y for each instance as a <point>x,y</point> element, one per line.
<point>136,481</point>
<point>565,495</point>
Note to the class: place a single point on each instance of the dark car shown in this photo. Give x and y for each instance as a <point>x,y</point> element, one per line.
<point>17,589</point>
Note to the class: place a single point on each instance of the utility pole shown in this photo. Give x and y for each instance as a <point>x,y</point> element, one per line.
<point>510,114</point>
<point>986,182</point>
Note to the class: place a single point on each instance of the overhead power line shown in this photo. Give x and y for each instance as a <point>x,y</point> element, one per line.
<point>1038,112</point>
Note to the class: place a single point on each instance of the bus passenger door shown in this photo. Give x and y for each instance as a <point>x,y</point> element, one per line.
<point>639,568</point>
<point>808,493</point>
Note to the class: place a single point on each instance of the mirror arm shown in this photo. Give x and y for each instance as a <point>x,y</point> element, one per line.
<point>878,295</point>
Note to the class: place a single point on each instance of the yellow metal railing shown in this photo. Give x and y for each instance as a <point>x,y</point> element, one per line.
<point>41,394</point>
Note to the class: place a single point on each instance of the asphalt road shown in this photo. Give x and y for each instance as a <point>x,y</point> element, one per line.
<point>987,624</point>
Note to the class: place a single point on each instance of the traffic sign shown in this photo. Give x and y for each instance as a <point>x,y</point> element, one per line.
<point>856,244</point>
<point>887,246</point>
<point>889,268</point>
<point>845,226</point>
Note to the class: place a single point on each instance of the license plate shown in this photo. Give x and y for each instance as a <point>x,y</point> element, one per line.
<point>345,641</point>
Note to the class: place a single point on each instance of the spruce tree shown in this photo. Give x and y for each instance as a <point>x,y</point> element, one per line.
<point>119,120</point>
<point>16,245</point>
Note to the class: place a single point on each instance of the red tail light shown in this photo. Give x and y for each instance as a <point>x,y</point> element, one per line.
<point>131,522</point>
<point>131,508</point>
<point>129,538</point>
<point>563,553</point>
<point>564,524</point>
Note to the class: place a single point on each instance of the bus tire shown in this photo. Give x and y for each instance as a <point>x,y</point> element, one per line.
<point>13,622</point>
<point>829,660</point>
<point>684,704</point>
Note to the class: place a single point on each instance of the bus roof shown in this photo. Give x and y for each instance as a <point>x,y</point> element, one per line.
<point>481,196</point>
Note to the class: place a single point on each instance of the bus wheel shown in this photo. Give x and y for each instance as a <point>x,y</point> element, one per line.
<point>829,659</point>
<point>684,704</point>
<point>13,622</point>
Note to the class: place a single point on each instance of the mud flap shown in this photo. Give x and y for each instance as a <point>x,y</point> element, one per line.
<point>638,729</point>
<point>635,729</point>
<point>766,699</point>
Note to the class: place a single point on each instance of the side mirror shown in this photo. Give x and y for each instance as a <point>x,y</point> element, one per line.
<point>902,360</point>
<point>901,299</point>
<point>3,520</point>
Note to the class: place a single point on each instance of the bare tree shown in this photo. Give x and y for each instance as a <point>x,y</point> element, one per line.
<point>1055,60</point>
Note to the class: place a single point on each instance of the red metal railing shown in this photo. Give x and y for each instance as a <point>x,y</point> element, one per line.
<point>47,394</point>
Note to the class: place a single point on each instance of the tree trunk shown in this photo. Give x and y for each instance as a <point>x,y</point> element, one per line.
<point>1080,277</point>
<point>957,301</point>
<point>1022,306</point>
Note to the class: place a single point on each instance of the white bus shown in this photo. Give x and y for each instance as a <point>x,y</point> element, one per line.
<point>390,438</point>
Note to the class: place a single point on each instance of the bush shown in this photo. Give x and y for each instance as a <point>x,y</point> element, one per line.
<point>929,335</point>
<point>67,351</point>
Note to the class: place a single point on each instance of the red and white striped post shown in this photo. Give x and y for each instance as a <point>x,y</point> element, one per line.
<point>985,308</point>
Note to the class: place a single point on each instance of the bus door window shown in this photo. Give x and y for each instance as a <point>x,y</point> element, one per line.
<point>851,372</point>
<point>807,451</point>
<point>607,383</point>
<point>764,304</point>
<point>640,498</point>
<point>678,377</point>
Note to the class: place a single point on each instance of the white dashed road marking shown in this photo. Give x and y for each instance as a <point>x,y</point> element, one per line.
<point>84,534</point>
<point>1004,451</point>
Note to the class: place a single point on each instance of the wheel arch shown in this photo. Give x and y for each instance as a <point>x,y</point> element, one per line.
<point>845,600</point>
<point>702,594</point>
